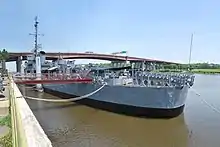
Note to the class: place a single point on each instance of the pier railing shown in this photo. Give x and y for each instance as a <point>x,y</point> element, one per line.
<point>50,78</point>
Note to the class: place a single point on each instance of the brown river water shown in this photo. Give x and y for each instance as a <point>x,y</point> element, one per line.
<point>74,125</point>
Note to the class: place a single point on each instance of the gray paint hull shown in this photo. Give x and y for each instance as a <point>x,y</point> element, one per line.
<point>143,98</point>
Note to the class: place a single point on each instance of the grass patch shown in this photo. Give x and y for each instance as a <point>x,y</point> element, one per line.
<point>6,141</point>
<point>5,121</point>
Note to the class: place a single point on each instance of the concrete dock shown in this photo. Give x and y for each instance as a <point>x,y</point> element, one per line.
<point>26,130</point>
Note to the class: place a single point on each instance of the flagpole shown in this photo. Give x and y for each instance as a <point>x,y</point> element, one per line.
<point>190,51</point>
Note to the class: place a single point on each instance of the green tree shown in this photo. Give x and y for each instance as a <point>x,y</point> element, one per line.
<point>5,54</point>
<point>3,57</point>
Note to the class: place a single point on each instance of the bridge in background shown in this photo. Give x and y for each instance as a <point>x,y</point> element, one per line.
<point>19,56</point>
<point>54,55</point>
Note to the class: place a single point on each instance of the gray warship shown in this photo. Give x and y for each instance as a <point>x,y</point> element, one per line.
<point>132,89</point>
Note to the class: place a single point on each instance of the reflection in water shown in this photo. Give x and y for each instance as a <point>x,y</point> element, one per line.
<point>71,124</point>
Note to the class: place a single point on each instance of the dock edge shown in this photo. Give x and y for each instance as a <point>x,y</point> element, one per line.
<point>27,131</point>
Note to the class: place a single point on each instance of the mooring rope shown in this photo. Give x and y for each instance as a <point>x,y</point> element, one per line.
<point>65,100</point>
<point>205,102</point>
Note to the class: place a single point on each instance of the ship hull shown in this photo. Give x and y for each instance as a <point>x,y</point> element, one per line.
<point>133,101</point>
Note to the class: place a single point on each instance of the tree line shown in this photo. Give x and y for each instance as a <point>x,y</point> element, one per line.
<point>192,66</point>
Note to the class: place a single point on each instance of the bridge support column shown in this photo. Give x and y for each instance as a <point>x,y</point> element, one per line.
<point>3,67</point>
<point>18,63</point>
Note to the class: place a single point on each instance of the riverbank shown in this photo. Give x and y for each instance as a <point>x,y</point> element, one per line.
<point>197,71</point>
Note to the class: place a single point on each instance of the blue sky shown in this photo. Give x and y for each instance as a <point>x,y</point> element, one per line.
<point>153,29</point>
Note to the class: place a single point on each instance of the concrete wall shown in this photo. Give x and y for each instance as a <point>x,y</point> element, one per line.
<point>27,129</point>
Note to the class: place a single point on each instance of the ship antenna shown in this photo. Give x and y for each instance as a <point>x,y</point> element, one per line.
<point>190,52</point>
<point>36,51</point>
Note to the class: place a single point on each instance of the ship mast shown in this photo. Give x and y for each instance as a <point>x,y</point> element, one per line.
<point>37,54</point>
